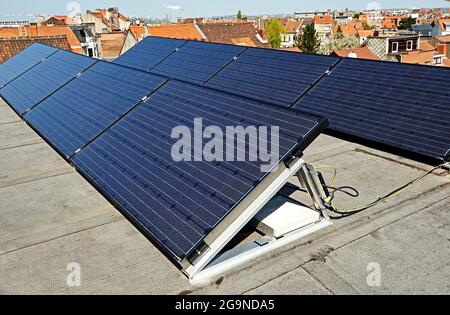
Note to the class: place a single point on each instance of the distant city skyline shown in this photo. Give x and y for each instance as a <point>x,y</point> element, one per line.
<point>197,8</point>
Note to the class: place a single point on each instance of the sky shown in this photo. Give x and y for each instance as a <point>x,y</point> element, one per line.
<point>197,8</point>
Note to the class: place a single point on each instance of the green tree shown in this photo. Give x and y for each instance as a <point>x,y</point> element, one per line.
<point>239,15</point>
<point>406,24</point>
<point>274,31</point>
<point>339,43</point>
<point>367,26</point>
<point>309,41</point>
<point>339,32</point>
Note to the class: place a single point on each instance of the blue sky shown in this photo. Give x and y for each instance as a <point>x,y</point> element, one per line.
<point>202,7</point>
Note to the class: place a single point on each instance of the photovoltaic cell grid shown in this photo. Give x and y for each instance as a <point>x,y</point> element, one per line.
<point>23,61</point>
<point>86,106</point>
<point>179,203</point>
<point>277,77</point>
<point>44,79</point>
<point>196,62</point>
<point>395,104</point>
<point>149,52</point>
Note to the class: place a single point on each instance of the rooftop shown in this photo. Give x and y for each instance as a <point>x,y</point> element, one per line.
<point>53,217</point>
<point>179,31</point>
<point>10,47</point>
<point>361,53</point>
<point>239,33</point>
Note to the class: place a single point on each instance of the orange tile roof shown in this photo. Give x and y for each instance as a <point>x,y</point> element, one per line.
<point>418,57</point>
<point>180,31</point>
<point>292,26</point>
<point>388,24</point>
<point>43,31</point>
<point>426,46</point>
<point>37,31</point>
<point>361,53</point>
<point>292,49</point>
<point>138,31</point>
<point>11,47</point>
<point>366,33</point>
<point>112,43</point>
<point>229,33</point>
<point>351,28</point>
<point>446,62</point>
<point>327,19</point>
<point>243,41</point>
<point>443,39</point>
<point>441,23</point>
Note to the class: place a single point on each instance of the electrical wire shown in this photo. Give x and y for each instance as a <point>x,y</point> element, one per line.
<point>393,193</point>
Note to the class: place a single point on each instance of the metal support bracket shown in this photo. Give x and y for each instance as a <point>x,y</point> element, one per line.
<point>199,269</point>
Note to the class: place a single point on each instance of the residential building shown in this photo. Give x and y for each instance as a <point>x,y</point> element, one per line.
<point>9,47</point>
<point>112,45</point>
<point>392,48</point>
<point>442,28</point>
<point>88,41</point>
<point>293,30</point>
<point>235,33</point>
<point>106,20</point>
<point>442,43</point>
<point>360,53</point>
<point>426,54</point>
<point>324,27</point>
<point>310,14</point>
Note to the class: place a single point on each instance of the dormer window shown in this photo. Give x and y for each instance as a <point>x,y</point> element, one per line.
<point>395,47</point>
<point>409,45</point>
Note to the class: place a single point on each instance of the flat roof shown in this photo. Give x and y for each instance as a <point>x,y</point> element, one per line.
<point>52,217</point>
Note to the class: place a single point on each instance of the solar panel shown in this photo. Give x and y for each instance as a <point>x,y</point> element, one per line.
<point>272,76</point>
<point>23,61</point>
<point>404,106</point>
<point>149,52</point>
<point>196,62</point>
<point>77,113</point>
<point>44,79</point>
<point>178,204</point>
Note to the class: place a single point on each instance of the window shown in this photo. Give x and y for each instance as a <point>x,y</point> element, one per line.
<point>409,45</point>
<point>90,52</point>
<point>395,47</point>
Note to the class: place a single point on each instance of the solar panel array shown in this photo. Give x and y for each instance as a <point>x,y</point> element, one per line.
<point>179,203</point>
<point>115,124</point>
<point>22,62</point>
<point>360,98</point>
<point>272,76</point>
<point>399,105</point>
<point>197,62</point>
<point>45,78</point>
<point>149,53</point>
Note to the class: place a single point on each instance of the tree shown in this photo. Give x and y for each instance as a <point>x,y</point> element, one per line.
<point>356,16</point>
<point>308,41</point>
<point>239,15</point>
<point>406,24</point>
<point>367,26</point>
<point>338,43</point>
<point>274,31</point>
<point>339,32</point>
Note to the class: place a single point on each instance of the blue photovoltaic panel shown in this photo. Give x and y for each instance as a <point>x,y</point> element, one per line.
<point>80,111</point>
<point>273,76</point>
<point>400,105</point>
<point>149,52</point>
<point>23,61</point>
<point>177,204</point>
<point>196,62</point>
<point>44,79</point>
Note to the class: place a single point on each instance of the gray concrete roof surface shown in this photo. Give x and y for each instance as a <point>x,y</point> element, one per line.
<point>50,216</point>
